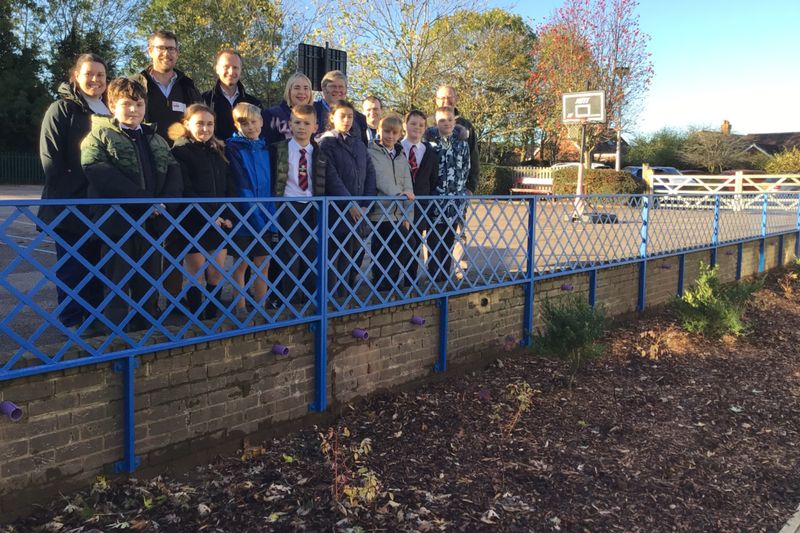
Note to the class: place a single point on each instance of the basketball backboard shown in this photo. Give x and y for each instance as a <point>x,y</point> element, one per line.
<point>585,107</point>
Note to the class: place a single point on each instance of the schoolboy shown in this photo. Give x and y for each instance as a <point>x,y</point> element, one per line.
<point>124,158</point>
<point>424,164</point>
<point>250,166</point>
<point>392,219</point>
<point>298,172</point>
<point>449,141</point>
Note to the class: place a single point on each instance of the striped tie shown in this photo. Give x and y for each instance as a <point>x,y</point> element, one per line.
<point>412,162</point>
<point>302,170</point>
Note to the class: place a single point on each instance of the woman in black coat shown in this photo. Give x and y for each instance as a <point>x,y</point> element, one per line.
<point>66,123</point>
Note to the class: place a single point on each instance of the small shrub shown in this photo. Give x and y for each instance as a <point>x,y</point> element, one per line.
<point>596,181</point>
<point>787,161</point>
<point>714,309</point>
<point>495,179</point>
<point>572,328</point>
<point>789,280</point>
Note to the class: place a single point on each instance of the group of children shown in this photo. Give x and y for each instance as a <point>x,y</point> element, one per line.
<point>124,158</point>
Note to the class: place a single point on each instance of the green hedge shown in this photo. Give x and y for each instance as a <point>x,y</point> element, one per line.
<point>495,179</point>
<point>596,181</point>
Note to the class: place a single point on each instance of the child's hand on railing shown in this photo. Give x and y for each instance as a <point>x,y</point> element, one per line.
<point>409,195</point>
<point>224,223</point>
<point>156,212</point>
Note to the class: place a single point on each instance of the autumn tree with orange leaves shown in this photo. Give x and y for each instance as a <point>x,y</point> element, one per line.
<point>590,45</point>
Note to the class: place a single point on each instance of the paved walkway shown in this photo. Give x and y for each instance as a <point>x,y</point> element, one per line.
<point>16,192</point>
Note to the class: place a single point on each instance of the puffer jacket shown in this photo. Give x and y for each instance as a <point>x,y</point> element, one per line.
<point>111,163</point>
<point>392,178</point>
<point>67,121</point>
<point>250,166</point>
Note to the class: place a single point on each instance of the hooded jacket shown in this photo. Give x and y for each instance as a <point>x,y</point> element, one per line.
<point>392,178</point>
<point>161,111</point>
<point>250,166</point>
<point>276,123</point>
<point>113,169</point>
<point>67,121</point>
<point>223,110</point>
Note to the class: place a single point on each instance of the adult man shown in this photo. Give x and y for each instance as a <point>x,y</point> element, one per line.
<point>334,88</point>
<point>373,111</point>
<point>227,92</point>
<point>169,91</point>
<point>446,96</point>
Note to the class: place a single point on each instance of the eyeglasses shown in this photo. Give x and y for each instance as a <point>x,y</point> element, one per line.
<point>168,49</point>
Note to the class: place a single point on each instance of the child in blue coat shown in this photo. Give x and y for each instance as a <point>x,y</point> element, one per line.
<point>250,165</point>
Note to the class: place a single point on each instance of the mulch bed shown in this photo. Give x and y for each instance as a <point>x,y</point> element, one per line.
<point>668,432</point>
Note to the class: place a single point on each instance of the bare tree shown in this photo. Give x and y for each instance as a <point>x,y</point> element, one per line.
<point>714,151</point>
<point>393,46</point>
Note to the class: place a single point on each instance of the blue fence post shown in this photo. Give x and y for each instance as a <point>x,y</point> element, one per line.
<point>681,273</point>
<point>441,361</point>
<point>130,460</point>
<point>527,315</point>
<point>643,253</point>
<point>797,231</point>
<point>321,327</point>
<point>763,241</point>
<point>739,254</point>
<point>715,232</point>
<point>592,287</point>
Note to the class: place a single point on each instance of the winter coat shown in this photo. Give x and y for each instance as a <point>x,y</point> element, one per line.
<point>250,165</point>
<point>279,156</point>
<point>276,123</point>
<point>474,156</point>
<point>161,111</point>
<point>205,174</point>
<point>357,130</point>
<point>454,165</point>
<point>348,170</point>
<point>113,169</point>
<point>392,178</point>
<point>223,110</point>
<point>67,121</point>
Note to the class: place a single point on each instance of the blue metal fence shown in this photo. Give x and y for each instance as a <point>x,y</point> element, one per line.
<point>111,260</point>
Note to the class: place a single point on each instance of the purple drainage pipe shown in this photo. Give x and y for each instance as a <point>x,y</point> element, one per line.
<point>11,410</point>
<point>280,349</point>
<point>359,333</point>
<point>666,266</point>
<point>418,320</point>
<point>566,287</point>
<point>729,252</point>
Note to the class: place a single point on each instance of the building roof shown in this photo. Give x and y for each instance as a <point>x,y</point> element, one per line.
<point>772,143</point>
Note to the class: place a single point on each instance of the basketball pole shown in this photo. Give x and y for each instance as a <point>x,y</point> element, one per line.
<point>579,205</point>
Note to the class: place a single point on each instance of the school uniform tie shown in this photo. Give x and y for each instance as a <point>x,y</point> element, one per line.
<point>412,162</point>
<point>302,170</point>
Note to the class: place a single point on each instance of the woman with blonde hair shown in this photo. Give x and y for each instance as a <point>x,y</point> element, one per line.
<point>276,119</point>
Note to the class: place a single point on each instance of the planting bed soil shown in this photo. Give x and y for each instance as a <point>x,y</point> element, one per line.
<point>667,432</point>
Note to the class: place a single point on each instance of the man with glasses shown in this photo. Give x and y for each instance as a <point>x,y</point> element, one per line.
<point>169,91</point>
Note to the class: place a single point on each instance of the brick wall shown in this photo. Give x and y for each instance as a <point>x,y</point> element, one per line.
<point>209,396</point>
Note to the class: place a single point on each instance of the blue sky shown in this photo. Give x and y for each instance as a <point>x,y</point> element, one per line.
<point>714,60</point>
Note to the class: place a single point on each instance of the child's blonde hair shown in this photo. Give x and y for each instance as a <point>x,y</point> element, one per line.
<point>392,121</point>
<point>243,110</point>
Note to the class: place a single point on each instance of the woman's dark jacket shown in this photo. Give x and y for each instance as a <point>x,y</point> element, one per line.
<point>66,123</point>
<point>276,123</point>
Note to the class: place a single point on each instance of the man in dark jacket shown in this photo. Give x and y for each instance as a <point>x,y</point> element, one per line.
<point>169,91</point>
<point>227,92</point>
<point>446,96</point>
<point>334,88</point>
